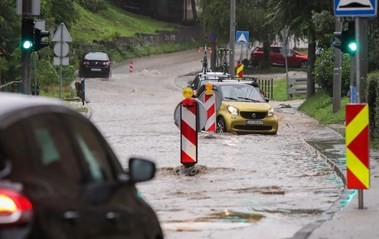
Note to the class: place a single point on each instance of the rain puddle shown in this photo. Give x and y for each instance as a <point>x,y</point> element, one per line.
<point>231,216</point>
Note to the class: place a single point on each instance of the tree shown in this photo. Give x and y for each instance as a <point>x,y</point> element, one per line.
<point>298,15</point>
<point>251,15</point>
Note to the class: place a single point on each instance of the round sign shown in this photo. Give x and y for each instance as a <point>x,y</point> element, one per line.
<point>201,119</point>
<point>61,49</point>
<point>218,100</point>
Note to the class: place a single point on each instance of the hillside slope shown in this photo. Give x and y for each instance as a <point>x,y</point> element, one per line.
<point>113,22</point>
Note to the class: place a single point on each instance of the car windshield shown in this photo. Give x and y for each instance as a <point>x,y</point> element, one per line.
<point>97,56</point>
<point>241,93</point>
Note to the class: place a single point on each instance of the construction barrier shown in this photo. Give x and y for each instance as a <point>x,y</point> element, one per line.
<point>131,67</point>
<point>188,132</point>
<point>357,146</point>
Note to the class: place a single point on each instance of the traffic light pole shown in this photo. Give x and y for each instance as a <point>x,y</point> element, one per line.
<point>232,35</point>
<point>26,78</point>
<point>337,72</point>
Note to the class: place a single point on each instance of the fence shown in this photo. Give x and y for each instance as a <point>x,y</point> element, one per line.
<point>296,86</point>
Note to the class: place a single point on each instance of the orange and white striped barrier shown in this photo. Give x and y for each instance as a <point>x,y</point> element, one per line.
<point>212,102</point>
<point>131,67</point>
<point>357,146</point>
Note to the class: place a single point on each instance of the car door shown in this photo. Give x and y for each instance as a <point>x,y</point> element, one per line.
<point>276,56</point>
<point>122,212</point>
<point>45,162</point>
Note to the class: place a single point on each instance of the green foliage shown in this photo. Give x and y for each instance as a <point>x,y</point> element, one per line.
<point>373,102</point>
<point>373,43</point>
<point>320,108</point>
<point>324,69</point>
<point>93,5</point>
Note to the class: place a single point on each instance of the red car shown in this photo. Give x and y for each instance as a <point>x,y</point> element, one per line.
<point>294,59</point>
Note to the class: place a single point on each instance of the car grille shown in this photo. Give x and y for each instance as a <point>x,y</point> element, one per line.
<point>253,127</point>
<point>250,115</point>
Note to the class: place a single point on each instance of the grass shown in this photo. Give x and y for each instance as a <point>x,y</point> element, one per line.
<point>320,107</point>
<point>113,22</point>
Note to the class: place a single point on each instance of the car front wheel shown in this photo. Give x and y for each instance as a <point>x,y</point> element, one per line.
<point>221,127</point>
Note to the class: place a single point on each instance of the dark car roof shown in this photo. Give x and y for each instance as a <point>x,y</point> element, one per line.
<point>96,56</point>
<point>15,106</point>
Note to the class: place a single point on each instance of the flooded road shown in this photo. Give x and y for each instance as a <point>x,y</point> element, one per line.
<point>247,186</point>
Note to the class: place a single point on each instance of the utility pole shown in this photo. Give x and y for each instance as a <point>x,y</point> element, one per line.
<point>337,72</point>
<point>232,35</point>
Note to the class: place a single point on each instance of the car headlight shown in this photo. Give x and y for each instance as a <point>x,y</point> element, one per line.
<point>270,112</point>
<point>233,110</point>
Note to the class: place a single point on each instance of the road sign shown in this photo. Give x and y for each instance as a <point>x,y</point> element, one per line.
<point>60,61</point>
<point>62,34</point>
<point>242,37</point>
<point>355,8</point>
<point>61,49</point>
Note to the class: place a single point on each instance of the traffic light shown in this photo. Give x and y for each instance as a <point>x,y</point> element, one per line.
<point>347,42</point>
<point>38,39</point>
<point>27,34</point>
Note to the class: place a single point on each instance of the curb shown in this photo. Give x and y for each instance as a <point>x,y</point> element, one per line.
<point>339,204</point>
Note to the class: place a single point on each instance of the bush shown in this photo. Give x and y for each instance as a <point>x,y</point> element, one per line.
<point>324,70</point>
<point>373,102</point>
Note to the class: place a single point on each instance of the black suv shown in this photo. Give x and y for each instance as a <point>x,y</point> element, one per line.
<point>60,179</point>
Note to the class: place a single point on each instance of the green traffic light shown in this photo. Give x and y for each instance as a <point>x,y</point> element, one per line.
<point>27,45</point>
<point>353,46</point>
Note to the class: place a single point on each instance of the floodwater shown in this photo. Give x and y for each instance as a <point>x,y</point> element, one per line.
<point>245,186</point>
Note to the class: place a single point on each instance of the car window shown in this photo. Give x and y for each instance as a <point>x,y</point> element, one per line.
<point>241,92</point>
<point>52,147</point>
<point>97,56</point>
<point>41,154</point>
<point>275,50</point>
<point>97,157</point>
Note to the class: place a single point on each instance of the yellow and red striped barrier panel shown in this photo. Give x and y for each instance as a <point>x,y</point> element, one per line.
<point>357,146</point>
<point>240,70</point>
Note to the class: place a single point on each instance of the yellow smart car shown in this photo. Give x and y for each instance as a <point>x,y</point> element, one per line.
<point>243,109</point>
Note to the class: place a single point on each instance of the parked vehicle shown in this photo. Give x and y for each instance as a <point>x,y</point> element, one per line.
<point>243,109</point>
<point>95,64</point>
<point>294,58</point>
<point>202,78</point>
<point>60,179</point>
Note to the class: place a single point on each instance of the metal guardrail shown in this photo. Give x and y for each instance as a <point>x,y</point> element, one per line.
<point>9,87</point>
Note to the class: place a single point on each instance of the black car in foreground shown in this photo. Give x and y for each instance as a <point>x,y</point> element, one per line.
<point>95,64</point>
<point>60,179</point>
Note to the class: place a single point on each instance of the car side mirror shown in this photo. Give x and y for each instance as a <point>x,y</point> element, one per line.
<point>141,170</point>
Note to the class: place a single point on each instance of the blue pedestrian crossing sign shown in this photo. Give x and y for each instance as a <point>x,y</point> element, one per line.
<point>355,8</point>
<point>242,37</point>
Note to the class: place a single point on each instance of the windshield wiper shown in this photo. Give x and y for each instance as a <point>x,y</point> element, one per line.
<point>244,98</point>
<point>230,98</point>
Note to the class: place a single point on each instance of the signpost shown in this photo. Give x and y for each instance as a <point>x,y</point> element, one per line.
<point>61,37</point>
<point>357,9</point>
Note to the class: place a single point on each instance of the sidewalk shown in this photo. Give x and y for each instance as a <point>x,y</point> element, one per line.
<point>344,220</point>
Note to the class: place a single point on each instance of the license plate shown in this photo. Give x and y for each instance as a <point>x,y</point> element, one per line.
<point>95,69</point>
<point>254,122</point>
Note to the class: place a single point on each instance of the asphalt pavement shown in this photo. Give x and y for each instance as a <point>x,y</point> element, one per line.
<point>345,219</point>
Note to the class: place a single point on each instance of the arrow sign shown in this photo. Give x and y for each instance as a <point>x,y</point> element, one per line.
<point>62,34</point>
<point>364,8</point>
<point>242,36</point>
